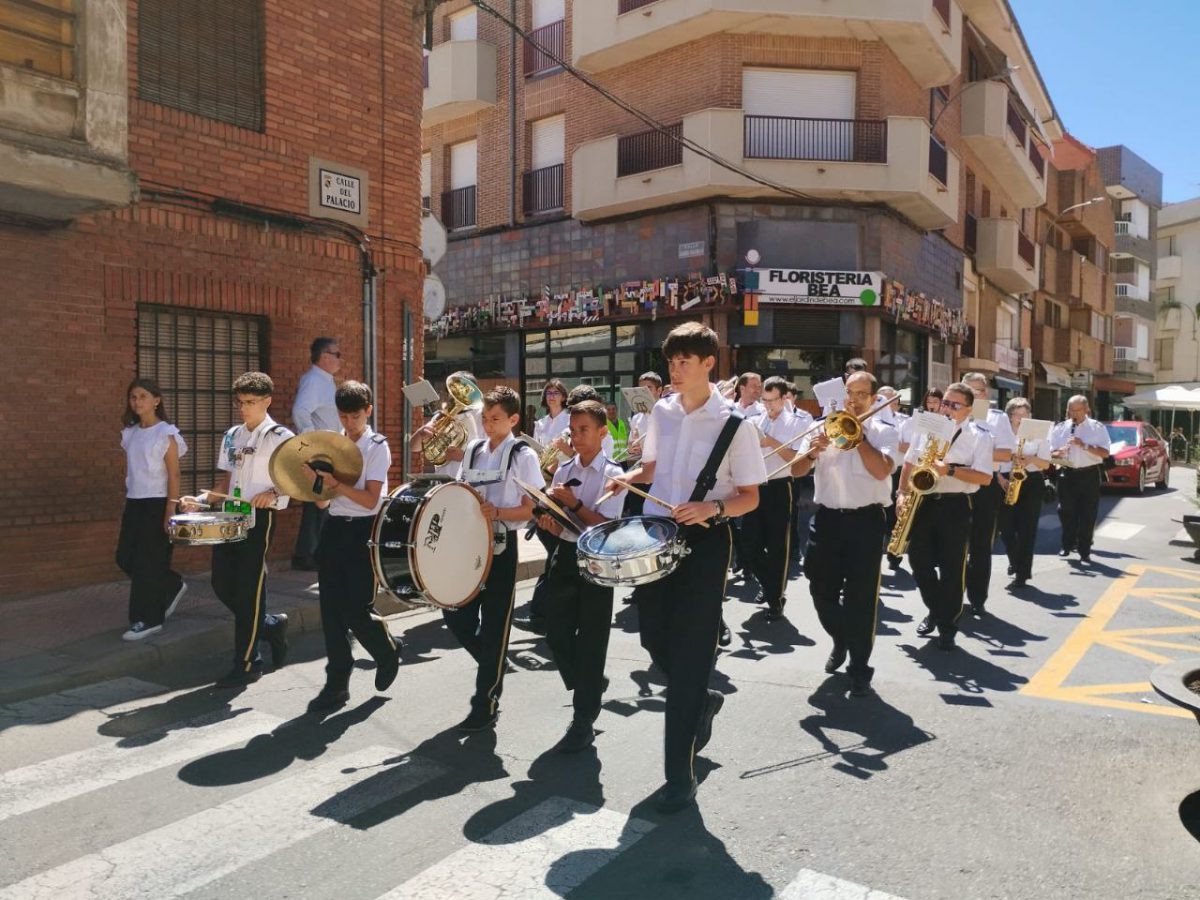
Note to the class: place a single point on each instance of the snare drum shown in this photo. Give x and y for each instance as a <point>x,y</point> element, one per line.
<point>631,551</point>
<point>208,528</point>
<point>431,544</point>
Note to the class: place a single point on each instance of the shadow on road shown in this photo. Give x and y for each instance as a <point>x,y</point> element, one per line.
<point>970,674</point>
<point>761,638</point>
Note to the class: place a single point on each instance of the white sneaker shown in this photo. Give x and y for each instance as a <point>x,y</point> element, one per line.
<point>140,630</point>
<point>175,602</point>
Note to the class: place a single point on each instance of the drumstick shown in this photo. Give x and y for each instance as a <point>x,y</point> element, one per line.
<point>646,495</point>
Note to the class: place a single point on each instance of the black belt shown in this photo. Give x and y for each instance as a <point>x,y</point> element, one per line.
<point>955,495</point>
<point>857,510</point>
<point>350,520</point>
<point>1083,470</point>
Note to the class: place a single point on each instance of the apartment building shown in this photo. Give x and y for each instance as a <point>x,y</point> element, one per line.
<point>895,150</point>
<point>189,191</point>
<point>1177,294</point>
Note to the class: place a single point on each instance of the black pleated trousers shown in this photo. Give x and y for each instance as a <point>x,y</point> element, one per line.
<point>239,579</point>
<point>1078,503</point>
<point>1019,524</point>
<point>985,504</point>
<point>937,554</point>
<point>578,623</point>
<point>144,554</point>
<point>347,593</point>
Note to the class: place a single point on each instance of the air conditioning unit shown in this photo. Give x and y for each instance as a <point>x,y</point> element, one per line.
<point>1026,359</point>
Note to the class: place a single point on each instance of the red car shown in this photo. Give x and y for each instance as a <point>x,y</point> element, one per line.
<point>1139,455</point>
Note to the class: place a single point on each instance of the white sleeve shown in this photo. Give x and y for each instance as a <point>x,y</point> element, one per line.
<point>915,448</point>
<point>304,404</point>
<point>527,467</point>
<point>1002,433</point>
<point>1058,436</point>
<point>1099,437</point>
<point>223,462</point>
<point>378,463</point>
<point>608,445</point>
<point>612,507</point>
<point>981,461</point>
<point>1043,450</point>
<point>887,442</point>
<point>746,463</point>
<point>650,444</point>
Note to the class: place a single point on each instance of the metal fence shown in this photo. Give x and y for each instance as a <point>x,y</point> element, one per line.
<point>543,190</point>
<point>833,140</point>
<point>649,150</point>
<point>548,37</point>
<point>458,208</point>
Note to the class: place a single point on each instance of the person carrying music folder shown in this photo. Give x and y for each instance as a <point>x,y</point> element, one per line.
<point>692,433</point>
<point>492,467</point>
<point>1080,444</point>
<point>579,613</point>
<point>347,580</point>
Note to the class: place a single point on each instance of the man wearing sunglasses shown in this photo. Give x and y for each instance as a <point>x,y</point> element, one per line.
<point>314,410</point>
<point>937,548</point>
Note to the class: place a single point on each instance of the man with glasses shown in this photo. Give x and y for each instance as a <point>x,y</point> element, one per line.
<point>1079,444</point>
<point>988,499</point>
<point>314,410</point>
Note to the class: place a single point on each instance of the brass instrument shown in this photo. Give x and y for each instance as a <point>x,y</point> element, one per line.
<point>552,455</point>
<point>921,480</point>
<point>844,430</point>
<point>447,430</point>
<point>1017,476</point>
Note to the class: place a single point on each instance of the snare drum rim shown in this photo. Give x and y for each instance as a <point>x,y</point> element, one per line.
<point>583,544</point>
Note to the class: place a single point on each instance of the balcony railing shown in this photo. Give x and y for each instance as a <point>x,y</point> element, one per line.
<point>1035,157</point>
<point>942,8</point>
<point>1125,354</point>
<point>1006,356</point>
<point>649,150</point>
<point>543,190</point>
<point>970,233</point>
<point>939,159</point>
<point>458,208</point>
<point>624,6</point>
<point>1025,249</point>
<point>831,140</point>
<point>1122,228</point>
<point>547,38</point>
<point>427,202</point>
<point>425,70</point>
<point>1016,124</point>
<point>1129,291</point>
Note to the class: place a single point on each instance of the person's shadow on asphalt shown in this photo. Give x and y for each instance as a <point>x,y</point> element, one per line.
<point>761,638</point>
<point>196,709</point>
<point>421,641</point>
<point>969,673</point>
<point>1000,637</point>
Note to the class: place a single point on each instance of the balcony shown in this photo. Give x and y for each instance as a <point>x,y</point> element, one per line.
<point>458,208</point>
<point>1131,291</point>
<point>549,38</point>
<point>998,135</point>
<point>1007,357</point>
<point>1069,347</point>
<point>1006,256</point>
<point>925,35</point>
<point>1127,362</point>
<point>462,81</point>
<point>542,191</point>
<point>884,161</point>
<point>1170,270</point>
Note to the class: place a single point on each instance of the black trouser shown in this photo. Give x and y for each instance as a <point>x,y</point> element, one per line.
<point>985,504</point>
<point>1019,524</point>
<point>578,621</point>
<point>538,602</point>
<point>842,567</point>
<point>890,509</point>
<point>634,504</point>
<point>144,554</point>
<point>482,626</point>
<point>1078,502</point>
<point>802,514</point>
<point>308,539</point>
<point>679,619</point>
<point>937,554</point>
<point>239,579</point>
<point>767,538</point>
<point>347,589</point>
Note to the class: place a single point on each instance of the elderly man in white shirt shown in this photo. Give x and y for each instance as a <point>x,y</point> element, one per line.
<point>1079,444</point>
<point>314,409</point>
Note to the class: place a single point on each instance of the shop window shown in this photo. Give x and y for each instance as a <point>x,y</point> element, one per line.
<point>39,35</point>
<point>195,356</point>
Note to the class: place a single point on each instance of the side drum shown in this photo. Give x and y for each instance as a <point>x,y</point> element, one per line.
<point>631,551</point>
<point>201,528</point>
<point>431,544</point>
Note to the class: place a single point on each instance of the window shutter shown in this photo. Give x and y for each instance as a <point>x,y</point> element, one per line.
<point>548,143</point>
<point>547,12</point>
<point>463,163</point>
<point>789,92</point>
<point>426,174</point>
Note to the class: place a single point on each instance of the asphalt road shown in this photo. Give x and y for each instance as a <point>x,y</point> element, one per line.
<point>1032,763</point>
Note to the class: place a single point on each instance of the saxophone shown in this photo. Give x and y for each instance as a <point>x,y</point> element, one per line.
<point>921,480</point>
<point>1017,477</point>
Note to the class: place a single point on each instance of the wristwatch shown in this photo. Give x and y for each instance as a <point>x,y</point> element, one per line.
<point>720,517</point>
<point>951,469</point>
<point>577,507</point>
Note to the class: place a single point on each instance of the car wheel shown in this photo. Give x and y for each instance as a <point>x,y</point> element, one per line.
<point>1141,482</point>
<point>1161,484</point>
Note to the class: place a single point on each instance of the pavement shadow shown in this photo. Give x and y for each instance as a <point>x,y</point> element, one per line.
<point>421,641</point>
<point>627,618</point>
<point>1001,637</point>
<point>1093,569</point>
<point>651,691</point>
<point>303,737</point>
<point>1034,594</point>
<point>969,673</point>
<point>211,705</point>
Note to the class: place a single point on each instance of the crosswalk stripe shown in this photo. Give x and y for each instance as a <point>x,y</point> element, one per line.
<point>75,774</point>
<point>55,707</point>
<point>1118,531</point>
<point>810,885</point>
<point>519,858</point>
<point>194,851</point>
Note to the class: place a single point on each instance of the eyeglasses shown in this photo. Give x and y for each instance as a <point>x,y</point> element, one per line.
<point>553,393</point>
<point>953,405</point>
<point>242,404</point>
<point>337,353</point>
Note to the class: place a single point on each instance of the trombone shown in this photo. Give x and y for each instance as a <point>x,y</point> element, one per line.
<point>844,430</point>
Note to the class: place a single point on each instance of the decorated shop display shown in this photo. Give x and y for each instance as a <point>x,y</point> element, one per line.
<point>903,305</point>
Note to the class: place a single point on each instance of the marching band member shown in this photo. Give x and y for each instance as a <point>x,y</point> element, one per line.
<point>892,416</point>
<point>853,488</point>
<point>747,394</point>
<point>988,499</point>
<point>679,616</point>
<point>931,402</point>
<point>579,613</point>
<point>1080,443</point>
<point>557,420</point>
<point>941,526</point>
<point>1019,523</point>
<point>472,424</point>
<point>802,486</point>
<point>639,425</point>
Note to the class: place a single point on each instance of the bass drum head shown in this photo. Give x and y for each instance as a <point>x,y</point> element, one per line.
<point>451,548</point>
<point>628,537</point>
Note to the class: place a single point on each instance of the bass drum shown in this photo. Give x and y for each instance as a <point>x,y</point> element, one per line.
<point>431,544</point>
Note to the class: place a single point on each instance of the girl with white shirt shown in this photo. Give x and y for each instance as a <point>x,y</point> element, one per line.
<point>153,447</point>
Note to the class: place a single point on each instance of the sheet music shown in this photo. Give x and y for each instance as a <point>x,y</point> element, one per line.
<point>638,399</point>
<point>420,393</point>
<point>925,422</point>
<point>1034,429</point>
<point>830,394</point>
<point>979,409</point>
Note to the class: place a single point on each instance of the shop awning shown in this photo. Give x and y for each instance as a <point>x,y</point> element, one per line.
<point>1056,375</point>
<point>1009,384</point>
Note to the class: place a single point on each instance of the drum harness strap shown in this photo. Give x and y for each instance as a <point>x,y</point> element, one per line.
<point>478,478</point>
<point>707,479</point>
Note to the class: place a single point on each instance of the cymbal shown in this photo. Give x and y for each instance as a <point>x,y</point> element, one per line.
<point>325,451</point>
<point>556,512</point>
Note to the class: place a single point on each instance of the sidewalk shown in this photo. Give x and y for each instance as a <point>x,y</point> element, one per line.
<point>57,641</point>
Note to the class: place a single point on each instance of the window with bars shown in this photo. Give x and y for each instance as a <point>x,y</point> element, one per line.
<point>39,35</point>
<point>204,57</point>
<point>195,356</point>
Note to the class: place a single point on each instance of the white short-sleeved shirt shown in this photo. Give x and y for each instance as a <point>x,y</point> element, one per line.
<point>548,428</point>
<point>638,423</point>
<point>505,493</point>
<point>840,477</point>
<point>472,422</point>
<point>904,431</point>
<point>1031,448</point>
<point>679,445</point>
<point>753,411</point>
<point>1000,430</point>
<point>592,479</point>
<point>247,454</point>
<point>1091,432</point>
<point>782,428</point>
<point>971,449</point>
<point>146,458</point>
<point>377,459</point>
<point>314,408</point>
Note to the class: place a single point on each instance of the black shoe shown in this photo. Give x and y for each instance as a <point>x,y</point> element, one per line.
<point>977,608</point>
<point>774,611</point>
<point>1085,558</point>
<point>946,642</point>
<point>758,596</point>
<point>1063,554</point>
<point>704,731</point>
<point>1012,570</point>
<point>479,719</point>
<point>238,677</point>
<point>1018,583</point>
<point>726,636</point>
<point>672,798</point>
<point>304,564</point>
<point>277,638</point>
<point>894,561</point>
<point>837,657</point>
<point>385,672</point>
<point>333,696</point>
<point>580,735</point>
<point>927,627</point>
<point>532,625</point>
<point>860,684</point>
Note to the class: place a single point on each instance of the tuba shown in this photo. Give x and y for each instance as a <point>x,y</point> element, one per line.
<point>1017,477</point>
<point>447,430</point>
<point>921,480</point>
<point>551,454</point>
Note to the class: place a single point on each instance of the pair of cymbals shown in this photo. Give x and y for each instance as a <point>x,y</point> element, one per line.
<point>328,452</point>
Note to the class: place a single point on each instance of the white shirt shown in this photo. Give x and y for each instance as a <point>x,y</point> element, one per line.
<point>782,428</point>
<point>1091,432</point>
<point>592,479</point>
<point>753,411</point>
<point>146,458</point>
<point>638,425</point>
<point>505,493</point>
<point>679,445</point>
<point>905,430</point>
<point>1031,448</point>
<point>548,428</point>
<point>472,421</point>
<point>1000,429</point>
<point>377,459</point>
<point>247,455</point>
<point>972,449</point>
<point>841,478</point>
<point>313,408</point>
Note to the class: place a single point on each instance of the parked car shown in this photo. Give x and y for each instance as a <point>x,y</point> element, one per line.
<point>1140,456</point>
